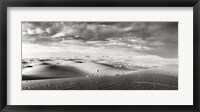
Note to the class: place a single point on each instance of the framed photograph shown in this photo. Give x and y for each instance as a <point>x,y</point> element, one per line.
<point>84,55</point>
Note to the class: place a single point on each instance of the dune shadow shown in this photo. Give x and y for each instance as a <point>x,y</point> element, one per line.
<point>48,71</point>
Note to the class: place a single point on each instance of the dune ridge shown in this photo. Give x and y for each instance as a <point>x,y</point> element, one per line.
<point>150,79</point>
<point>70,70</point>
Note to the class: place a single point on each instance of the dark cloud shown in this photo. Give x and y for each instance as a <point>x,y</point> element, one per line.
<point>41,40</point>
<point>160,38</point>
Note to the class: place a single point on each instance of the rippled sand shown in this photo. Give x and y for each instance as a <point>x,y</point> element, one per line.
<point>78,75</point>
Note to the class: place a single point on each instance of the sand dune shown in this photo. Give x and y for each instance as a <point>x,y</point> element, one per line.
<point>100,69</point>
<point>169,69</point>
<point>51,71</point>
<point>124,82</point>
<point>152,79</point>
<point>69,69</point>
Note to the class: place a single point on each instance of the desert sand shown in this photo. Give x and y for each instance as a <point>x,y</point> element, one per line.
<point>90,75</point>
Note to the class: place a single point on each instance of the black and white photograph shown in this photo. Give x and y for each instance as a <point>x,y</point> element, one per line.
<point>99,55</point>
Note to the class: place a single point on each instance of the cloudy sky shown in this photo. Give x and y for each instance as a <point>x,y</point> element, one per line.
<point>109,38</point>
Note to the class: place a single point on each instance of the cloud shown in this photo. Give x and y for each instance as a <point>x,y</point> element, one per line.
<point>102,31</point>
<point>159,38</point>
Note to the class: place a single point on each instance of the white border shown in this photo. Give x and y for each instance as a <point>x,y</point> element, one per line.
<point>183,96</point>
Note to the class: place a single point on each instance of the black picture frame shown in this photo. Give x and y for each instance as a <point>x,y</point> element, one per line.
<point>99,3</point>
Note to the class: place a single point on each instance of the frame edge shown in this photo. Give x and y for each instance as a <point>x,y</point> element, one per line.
<point>3,61</point>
